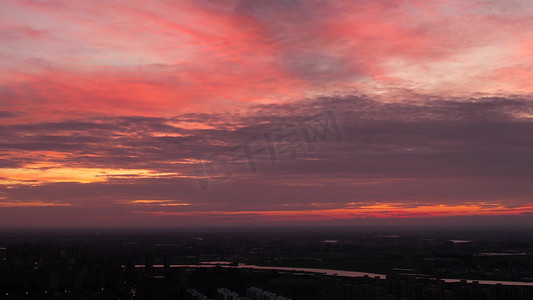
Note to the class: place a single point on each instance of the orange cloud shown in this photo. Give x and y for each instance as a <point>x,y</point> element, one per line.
<point>385,210</point>
<point>38,174</point>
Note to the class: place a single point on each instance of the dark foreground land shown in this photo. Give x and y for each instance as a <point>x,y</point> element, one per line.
<point>113,264</point>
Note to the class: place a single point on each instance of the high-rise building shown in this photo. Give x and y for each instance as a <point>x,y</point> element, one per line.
<point>255,293</point>
<point>193,294</point>
<point>225,294</point>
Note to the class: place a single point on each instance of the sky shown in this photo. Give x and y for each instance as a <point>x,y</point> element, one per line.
<point>246,112</point>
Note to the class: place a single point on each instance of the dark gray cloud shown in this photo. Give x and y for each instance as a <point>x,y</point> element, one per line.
<point>440,151</point>
<point>4,114</point>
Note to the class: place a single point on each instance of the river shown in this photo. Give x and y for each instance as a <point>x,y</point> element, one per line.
<point>324,272</point>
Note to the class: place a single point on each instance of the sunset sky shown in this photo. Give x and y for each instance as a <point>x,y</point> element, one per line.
<point>139,113</point>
